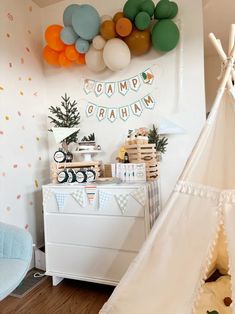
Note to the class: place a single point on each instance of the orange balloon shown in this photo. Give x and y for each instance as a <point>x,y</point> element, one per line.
<point>51,56</point>
<point>81,59</point>
<point>107,30</point>
<point>63,60</point>
<point>123,27</point>
<point>52,36</point>
<point>71,53</point>
<point>117,16</point>
<point>139,42</point>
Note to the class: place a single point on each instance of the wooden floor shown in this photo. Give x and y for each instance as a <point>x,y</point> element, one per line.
<point>70,296</point>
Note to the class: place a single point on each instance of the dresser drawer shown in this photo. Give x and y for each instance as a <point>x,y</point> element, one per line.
<point>126,233</point>
<point>105,201</point>
<point>87,263</point>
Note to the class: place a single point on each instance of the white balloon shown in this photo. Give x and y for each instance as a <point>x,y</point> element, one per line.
<point>105,18</point>
<point>98,42</point>
<point>116,54</point>
<point>94,59</point>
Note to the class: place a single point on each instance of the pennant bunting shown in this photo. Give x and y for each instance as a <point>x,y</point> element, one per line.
<point>61,199</point>
<point>124,86</point>
<point>78,195</point>
<point>47,195</point>
<point>139,196</point>
<point>122,200</point>
<point>103,199</point>
<point>124,112</point>
<point>91,193</point>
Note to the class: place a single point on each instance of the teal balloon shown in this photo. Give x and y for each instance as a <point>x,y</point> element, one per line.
<point>82,45</point>
<point>86,21</point>
<point>142,21</point>
<point>67,16</point>
<point>148,6</point>
<point>131,9</point>
<point>165,35</point>
<point>163,10</point>
<point>68,35</point>
<point>174,10</point>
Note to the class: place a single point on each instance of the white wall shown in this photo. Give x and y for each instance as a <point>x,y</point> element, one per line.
<point>182,68</point>
<point>23,129</point>
<point>212,72</point>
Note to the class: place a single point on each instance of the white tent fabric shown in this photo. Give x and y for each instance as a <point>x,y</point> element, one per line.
<point>168,274</point>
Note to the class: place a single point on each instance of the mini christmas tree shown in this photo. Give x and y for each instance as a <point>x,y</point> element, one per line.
<point>160,141</point>
<point>66,116</point>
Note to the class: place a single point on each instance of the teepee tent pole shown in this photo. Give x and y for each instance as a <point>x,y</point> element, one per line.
<point>226,80</point>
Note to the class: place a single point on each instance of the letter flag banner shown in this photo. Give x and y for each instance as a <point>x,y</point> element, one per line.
<point>122,87</point>
<point>123,113</point>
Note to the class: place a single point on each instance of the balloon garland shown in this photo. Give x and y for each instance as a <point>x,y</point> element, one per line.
<point>101,42</point>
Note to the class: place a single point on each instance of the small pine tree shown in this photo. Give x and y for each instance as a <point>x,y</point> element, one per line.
<point>155,138</point>
<point>66,117</point>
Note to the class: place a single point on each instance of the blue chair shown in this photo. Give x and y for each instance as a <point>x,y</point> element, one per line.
<point>15,256</point>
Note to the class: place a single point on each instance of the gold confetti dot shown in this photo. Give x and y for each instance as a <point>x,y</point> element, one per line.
<point>1,88</point>
<point>36,183</point>
<point>21,147</point>
<point>21,93</point>
<point>29,79</point>
<point>8,35</point>
<point>7,118</point>
<point>37,138</point>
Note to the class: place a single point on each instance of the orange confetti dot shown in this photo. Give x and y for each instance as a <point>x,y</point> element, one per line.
<point>30,8</point>
<point>22,60</point>
<point>7,118</point>
<point>8,35</point>
<point>36,183</point>
<point>29,32</point>
<point>21,93</point>
<point>27,49</point>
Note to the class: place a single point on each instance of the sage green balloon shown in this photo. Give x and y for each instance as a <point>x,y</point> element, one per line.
<point>148,6</point>
<point>163,10</point>
<point>174,10</point>
<point>165,35</point>
<point>142,21</point>
<point>130,10</point>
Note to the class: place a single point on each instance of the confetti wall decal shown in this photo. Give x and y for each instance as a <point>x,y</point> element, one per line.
<point>22,139</point>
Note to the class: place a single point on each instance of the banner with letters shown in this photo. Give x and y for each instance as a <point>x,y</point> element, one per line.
<point>123,112</point>
<point>122,87</point>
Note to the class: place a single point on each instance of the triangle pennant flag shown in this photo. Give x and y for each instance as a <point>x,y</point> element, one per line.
<point>103,199</point>
<point>91,193</point>
<point>61,198</point>
<point>169,127</point>
<point>61,133</point>
<point>139,196</point>
<point>78,195</point>
<point>122,200</point>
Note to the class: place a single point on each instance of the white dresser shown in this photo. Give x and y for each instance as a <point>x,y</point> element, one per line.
<point>92,233</point>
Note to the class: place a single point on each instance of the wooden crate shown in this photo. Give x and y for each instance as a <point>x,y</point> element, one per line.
<point>139,153</point>
<point>57,167</point>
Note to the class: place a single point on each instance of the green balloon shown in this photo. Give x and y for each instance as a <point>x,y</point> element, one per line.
<point>174,10</point>
<point>142,21</point>
<point>131,9</point>
<point>148,6</point>
<point>163,10</point>
<point>165,35</point>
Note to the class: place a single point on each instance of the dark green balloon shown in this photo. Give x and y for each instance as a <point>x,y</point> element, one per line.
<point>142,21</point>
<point>174,10</point>
<point>163,10</point>
<point>131,9</point>
<point>165,35</point>
<point>148,6</point>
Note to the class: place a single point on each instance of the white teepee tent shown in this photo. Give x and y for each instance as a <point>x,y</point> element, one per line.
<point>196,231</point>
